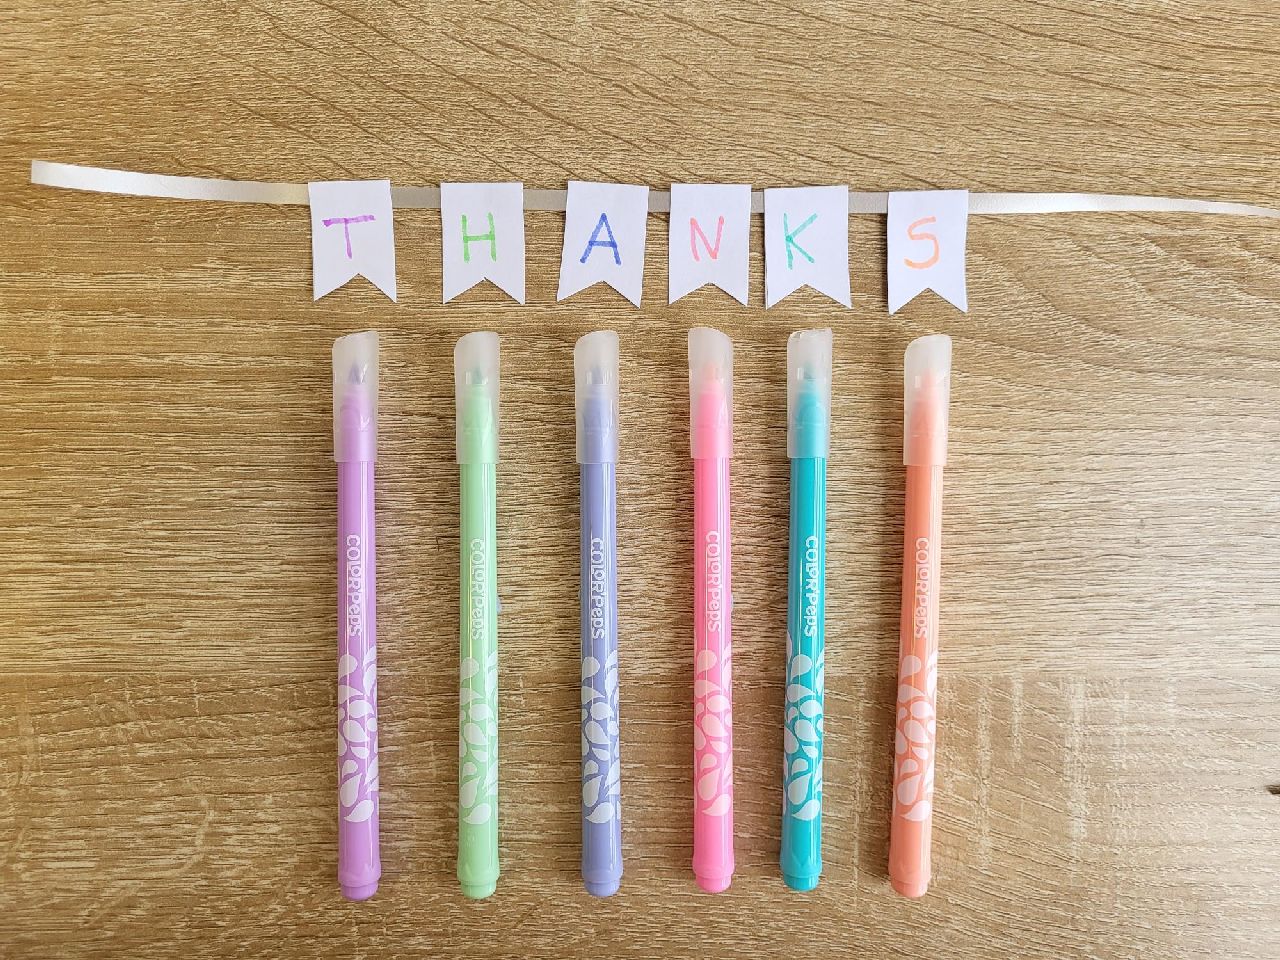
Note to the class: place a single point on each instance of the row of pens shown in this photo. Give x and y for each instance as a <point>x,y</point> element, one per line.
<point>927,378</point>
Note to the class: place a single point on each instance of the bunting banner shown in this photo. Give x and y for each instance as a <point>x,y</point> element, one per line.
<point>806,242</point>
<point>482,229</point>
<point>926,232</point>
<point>482,237</point>
<point>709,239</point>
<point>351,234</point>
<point>604,230</point>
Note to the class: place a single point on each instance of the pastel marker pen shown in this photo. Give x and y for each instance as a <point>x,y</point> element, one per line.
<point>808,443</point>
<point>927,394</point>
<point>711,446</point>
<point>355,440</point>
<point>595,362</point>
<point>476,378</point>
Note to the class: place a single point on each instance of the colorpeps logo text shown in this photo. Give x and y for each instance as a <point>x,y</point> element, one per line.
<point>812,587</point>
<point>479,589</point>
<point>355,587</point>
<point>924,588</point>
<point>715,582</point>
<point>596,588</point>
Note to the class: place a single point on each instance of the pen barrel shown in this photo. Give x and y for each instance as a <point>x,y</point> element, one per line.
<point>478,689</point>
<point>601,771</point>
<point>712,678</point>
<point>358,865</point>
<point>911,825</point>
<point>801,855</point>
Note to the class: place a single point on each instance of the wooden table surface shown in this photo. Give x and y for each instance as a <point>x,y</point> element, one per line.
<point>1110,729</point>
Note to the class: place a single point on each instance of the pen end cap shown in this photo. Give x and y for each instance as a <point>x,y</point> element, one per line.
<point>355,396</point>
<point>477,374</point>
<point>710,394</point>
<point>479,891</point>
<point>914,889</point>
<point>362,892</point>
<point>602,888</point>
<point>809,393</point>
<point>714,884</point>
<point>595,365</point>
<point>802,883</point>
<point>926,400</point>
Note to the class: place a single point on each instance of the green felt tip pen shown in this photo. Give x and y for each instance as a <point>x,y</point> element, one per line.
<point>475,374</point>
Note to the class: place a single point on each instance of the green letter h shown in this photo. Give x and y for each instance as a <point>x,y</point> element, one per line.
<point>491,236</point>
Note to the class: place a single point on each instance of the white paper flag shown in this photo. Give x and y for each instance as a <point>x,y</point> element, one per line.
<point>709,238</point>
<point>806,241</point>
<point>351,233</point>
<point>927,231</point>
<point>482,235</point>
<point>604,227</point>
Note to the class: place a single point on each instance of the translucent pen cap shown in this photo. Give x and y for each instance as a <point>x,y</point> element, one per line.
<point>710,394</point>
<point>475,384</point>
<point>809,394</point>
<point>926,374</point>
<point>595,375</point>
<point>355,397</point>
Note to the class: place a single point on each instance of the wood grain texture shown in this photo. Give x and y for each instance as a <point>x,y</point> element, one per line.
<point>1111,601</point>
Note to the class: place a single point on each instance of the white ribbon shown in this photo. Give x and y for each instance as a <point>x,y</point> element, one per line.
<point>102,180</point>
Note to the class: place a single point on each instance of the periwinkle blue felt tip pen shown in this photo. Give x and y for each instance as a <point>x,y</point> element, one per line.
<point>595,364</point>
<point>808,443</point>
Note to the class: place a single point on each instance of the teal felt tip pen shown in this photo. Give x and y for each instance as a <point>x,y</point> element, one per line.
<point>808,443</point>
<point>475,374</point>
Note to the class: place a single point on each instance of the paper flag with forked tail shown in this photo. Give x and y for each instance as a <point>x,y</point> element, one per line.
<point>482,236</point>
<point>604,229</point>
<point>709,239</point>
<point>926,240</point>
<point>351,234</point>
<point>806,242</point>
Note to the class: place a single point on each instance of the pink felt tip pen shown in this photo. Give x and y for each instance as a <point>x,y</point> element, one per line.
<point>711,445</point>
<point>355,437</point>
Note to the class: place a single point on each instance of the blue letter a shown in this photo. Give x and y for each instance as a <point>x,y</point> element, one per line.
<point>594,242</point>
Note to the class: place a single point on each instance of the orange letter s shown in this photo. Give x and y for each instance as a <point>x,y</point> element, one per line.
<point>912,235</point>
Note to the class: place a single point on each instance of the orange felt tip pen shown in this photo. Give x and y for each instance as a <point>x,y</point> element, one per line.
<point>926,395</point>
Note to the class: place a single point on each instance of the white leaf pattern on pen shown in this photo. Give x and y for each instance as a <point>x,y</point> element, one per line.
<point>361,812</point>
<point>810,810</point>
<point>357,732</point>
<point>478,739</point>
<point>599,722</point>
<point>914,737</point>
<point>802,735</point>
<point>712,734</point>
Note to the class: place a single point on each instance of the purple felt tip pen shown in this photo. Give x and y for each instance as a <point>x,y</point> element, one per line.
<point>595,362</point>
<point>355,437</point>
